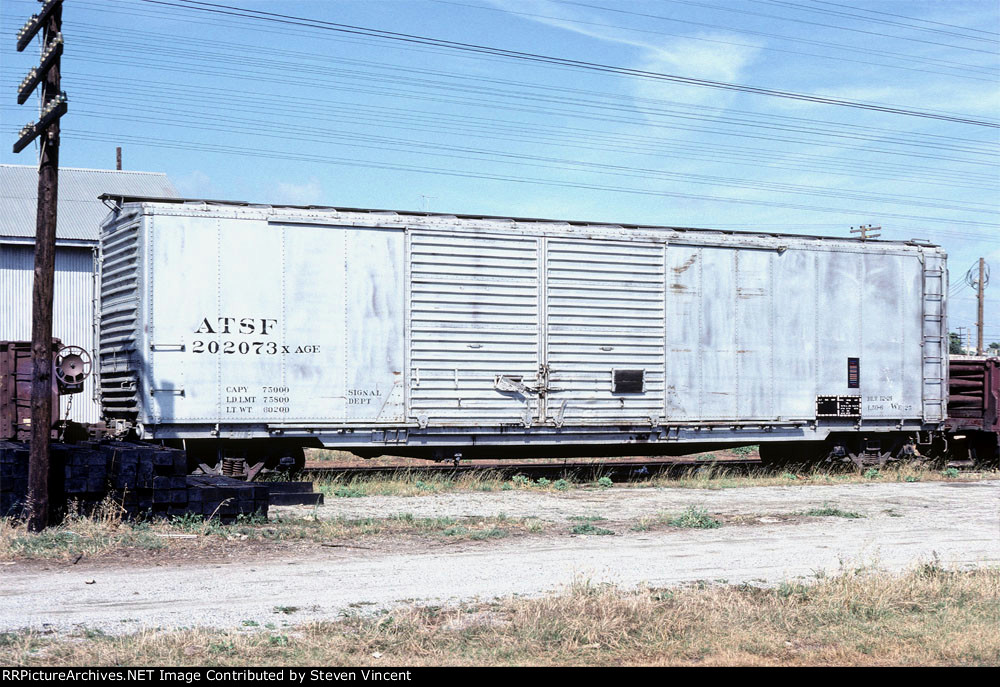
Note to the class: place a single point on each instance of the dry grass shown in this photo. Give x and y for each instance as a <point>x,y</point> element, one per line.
<point>928,616</point>
<point>407,482</point>
<point>721,476</point>
<point>106,533</point>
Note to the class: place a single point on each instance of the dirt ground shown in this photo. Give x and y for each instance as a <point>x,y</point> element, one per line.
<point>765,538</point>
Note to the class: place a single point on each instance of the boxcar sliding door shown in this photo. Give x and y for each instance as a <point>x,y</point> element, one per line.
<point>604,331</point>
<point>474,329</point>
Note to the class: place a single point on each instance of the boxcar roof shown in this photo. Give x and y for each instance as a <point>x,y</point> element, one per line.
<point>123,199</point>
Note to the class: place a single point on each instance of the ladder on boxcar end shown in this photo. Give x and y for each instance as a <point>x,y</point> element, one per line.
<point>934,339</point>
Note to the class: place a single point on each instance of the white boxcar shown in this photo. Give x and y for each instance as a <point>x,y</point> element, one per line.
<point>431,334</point>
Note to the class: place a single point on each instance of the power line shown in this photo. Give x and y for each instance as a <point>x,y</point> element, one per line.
<point>231,123</point>
<point>520,179</point>
<point>217,58</point>
<point>827,26</point>
<point>215,8</point>
<point>741,30</point>
<point>902,16</point>
<point>674,110</point>
<point>718,41</point>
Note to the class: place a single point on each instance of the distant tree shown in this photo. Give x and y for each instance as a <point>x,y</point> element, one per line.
<point>954,344</point>
<point>995,347</point>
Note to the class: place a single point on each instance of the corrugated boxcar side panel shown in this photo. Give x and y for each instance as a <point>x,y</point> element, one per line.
<point>890,382</point>
<point>840,277</point>
<point>717,343</point>
<point>754,335</point>
<point>473,316</point>
<point>182,271</point>
<point>683,332</point>
<point>794,327</point>
<point>306,326</point>
<point>374,306</point>
<point>604,312</point>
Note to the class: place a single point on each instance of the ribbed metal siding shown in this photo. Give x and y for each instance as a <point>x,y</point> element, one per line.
<point>80,212</point>
<point>119,318</point>
<point>604,312</point>
<point>72,314</point>
<point>473,316</point>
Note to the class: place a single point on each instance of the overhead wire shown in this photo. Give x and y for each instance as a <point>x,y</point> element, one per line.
<point>825,25</point>
<point>719,41</point>
<point>398,166</point>
<point>217,8</point>
<point>886,22</point>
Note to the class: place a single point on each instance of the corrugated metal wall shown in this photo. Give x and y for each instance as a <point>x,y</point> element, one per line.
<point>473,316</point>
<point>604,313</point>
<point>73,308</point>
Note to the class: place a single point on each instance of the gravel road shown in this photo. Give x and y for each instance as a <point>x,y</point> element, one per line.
<point>959,522</point>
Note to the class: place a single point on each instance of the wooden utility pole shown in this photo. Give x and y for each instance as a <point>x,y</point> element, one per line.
<point>49,21</point>
<point>118,158</point>
<point>979,321</point>
<point>867,231</point>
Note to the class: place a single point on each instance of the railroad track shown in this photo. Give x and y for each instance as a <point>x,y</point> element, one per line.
<point>614,469</point>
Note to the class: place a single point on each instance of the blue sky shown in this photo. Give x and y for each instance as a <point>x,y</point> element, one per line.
<point>245,109</point>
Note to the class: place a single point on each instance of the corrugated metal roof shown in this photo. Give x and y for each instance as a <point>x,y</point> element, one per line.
<point>80,210</point>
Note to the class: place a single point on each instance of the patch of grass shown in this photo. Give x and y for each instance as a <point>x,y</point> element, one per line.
<point>286,610</point>
<point>950,473</point>
<point>588,528</point>
<point>746,450</point>
<point>696,518</point>
<point>346,492</point>
<point>708,475</point>
<point>832,512</point>
<point>928,616</point>
<point>78,535</point>
<point>408,482</point>
<point>719,476</point>
<point>587,518</point>
<point>94,536</point>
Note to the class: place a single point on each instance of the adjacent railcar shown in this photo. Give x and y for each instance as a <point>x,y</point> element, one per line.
<point>272,327</point>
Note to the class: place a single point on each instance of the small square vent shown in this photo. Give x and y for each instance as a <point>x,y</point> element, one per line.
<point>628,381</point>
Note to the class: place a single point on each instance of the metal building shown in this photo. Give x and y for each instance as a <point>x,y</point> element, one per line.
<point>80,215</point>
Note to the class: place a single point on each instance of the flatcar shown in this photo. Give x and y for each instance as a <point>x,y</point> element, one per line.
<point>258,330</point>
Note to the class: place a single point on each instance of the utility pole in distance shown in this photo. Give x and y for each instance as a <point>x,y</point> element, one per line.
<point>49,21</point>
<point>981,284</point>
<point>866,231</point>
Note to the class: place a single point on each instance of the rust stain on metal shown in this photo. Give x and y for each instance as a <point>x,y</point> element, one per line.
<point>687,264</point>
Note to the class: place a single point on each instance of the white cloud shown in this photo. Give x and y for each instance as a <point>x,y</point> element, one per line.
<point>710,56</point>
<point>693,58</point>
<point>307,193</point>
<point>195,184</point>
